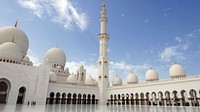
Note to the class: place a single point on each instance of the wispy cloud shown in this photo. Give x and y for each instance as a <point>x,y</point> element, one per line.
<point>62,12</point>
<point>178,39</point>
<point>179,51</point>
<point>33,5</point>
<point>194,34</point>
<point>171,52</point>
<point>166,11</point>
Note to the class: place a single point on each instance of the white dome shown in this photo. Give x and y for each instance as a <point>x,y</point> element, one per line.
<point>81,67</point>
<point>176,70</point>
<point>117,81</point>
<point>55,56</point>
<point>10,50</point>
<point>52,77</point>
<point>151,75</point>
<point>66,69</point>
<point>132,79</point>
<point>26,59</point>
<point>71,79</point>
<point>90,81</point>
<point>9,32</point>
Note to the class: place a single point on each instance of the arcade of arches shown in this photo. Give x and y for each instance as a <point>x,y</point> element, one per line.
<point>58,98</point>
<point>166,98</point>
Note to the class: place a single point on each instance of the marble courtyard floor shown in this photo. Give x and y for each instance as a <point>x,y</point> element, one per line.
<point>94,108</point>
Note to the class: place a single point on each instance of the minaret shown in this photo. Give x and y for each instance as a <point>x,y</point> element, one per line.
<point>103,70</point>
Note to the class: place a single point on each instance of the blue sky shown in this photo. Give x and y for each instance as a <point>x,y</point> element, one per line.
<point>143,33</point>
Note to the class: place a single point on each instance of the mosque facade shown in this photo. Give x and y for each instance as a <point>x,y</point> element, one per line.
<point>52,83</point>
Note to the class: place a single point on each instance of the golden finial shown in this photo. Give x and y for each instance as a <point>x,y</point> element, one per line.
<point>16,23</point>
<point>13,40</point>
<point>103,4</point>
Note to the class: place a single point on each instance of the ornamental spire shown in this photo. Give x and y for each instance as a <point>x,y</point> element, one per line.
<point>16,23</point>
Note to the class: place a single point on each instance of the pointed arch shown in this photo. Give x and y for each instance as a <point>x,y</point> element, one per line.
<point>21,95</point>
<point>5,87</point>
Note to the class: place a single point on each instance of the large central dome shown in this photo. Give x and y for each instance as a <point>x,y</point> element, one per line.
<point>9,32</point>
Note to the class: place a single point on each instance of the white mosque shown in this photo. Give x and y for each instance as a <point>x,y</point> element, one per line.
<point>52,83</point>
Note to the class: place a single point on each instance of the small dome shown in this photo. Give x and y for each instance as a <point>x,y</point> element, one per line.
<point>7,33</point>
<point>117,81</point>
<point>151,75</point>
<point>176,70</point>
<point>90,81</point>
<point>81,67</point>
<point>132,79</point>
<point>10,50</point>
<point>54,56</point>
<point>52,77</point>
<point>71,79</point>
<point>26,59</point>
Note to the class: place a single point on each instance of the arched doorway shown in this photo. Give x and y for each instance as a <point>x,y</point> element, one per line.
<point>193,98</point>
<point>93,99</point>
<point>79,98</point>
<point>69,98</point>
<point>142,100</point>
<point>123,99</point>
<point>84,98</point>
<point>4,90</point>
<point>57,98</point>
<point>63,98</point>
<point>147,99</point>
<point>132,99</point>
<point>74,99</point>
<point>184,98</point>
<point>111,99</point>
<point>137,99</point>
<point>89,98</point>
<point>21,95</point>
<point>160,98</point>
<point>127,99</point>
<point>119,101</point>
<point>115,99</point>
<point>51,98</point>
<point>154,100</point>
<point>176,99</point>
<point>168,98</point>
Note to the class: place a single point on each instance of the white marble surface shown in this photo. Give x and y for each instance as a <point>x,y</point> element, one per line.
<point>93,108</point>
